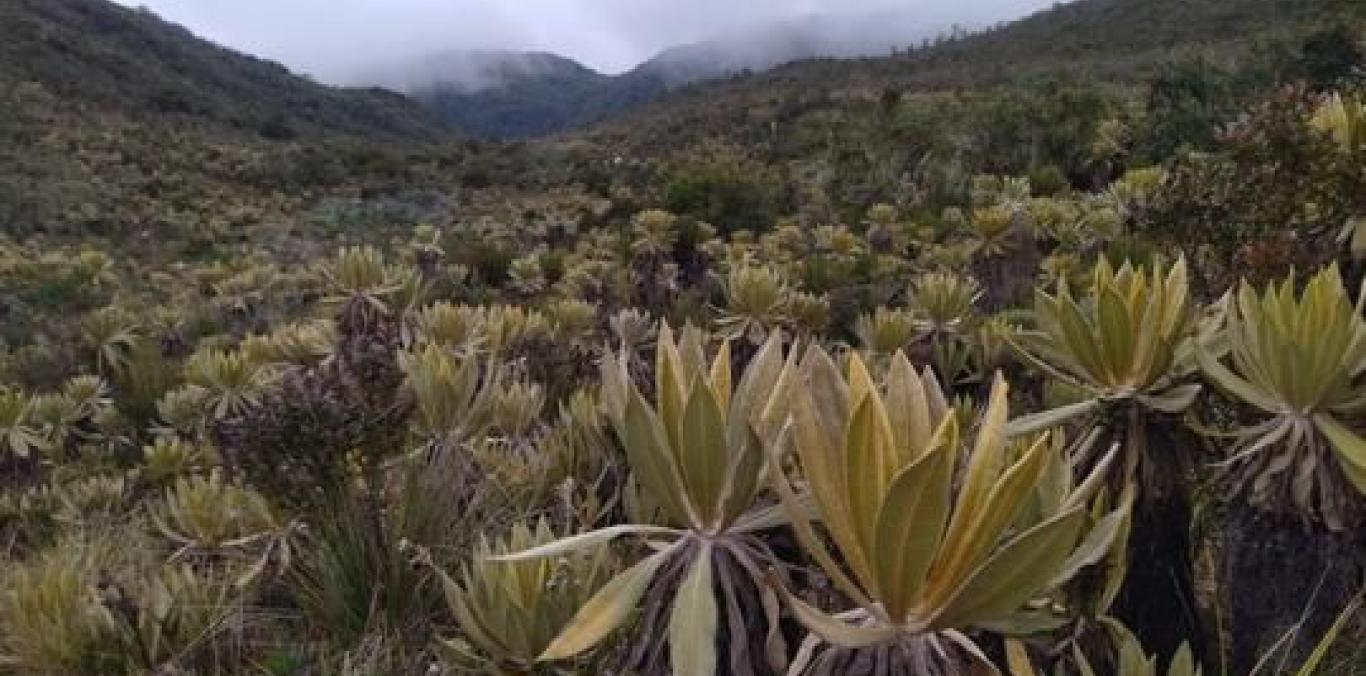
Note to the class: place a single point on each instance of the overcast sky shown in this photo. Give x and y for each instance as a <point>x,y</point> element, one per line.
<point>333,39</point>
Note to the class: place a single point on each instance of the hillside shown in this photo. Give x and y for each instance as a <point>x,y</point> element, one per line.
<point>119,124</point>
<point>1119,42</point>
<point>98,57</point>
<point>518,95</point>
<point>504,94</point>
<point>188,131</point>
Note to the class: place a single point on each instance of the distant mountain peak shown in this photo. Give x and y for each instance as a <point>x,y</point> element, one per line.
<point>474,71</point>
<point>806,37</point>
<point>513,94</point>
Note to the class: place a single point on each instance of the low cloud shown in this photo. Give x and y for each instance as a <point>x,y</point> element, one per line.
<point>339,41</point>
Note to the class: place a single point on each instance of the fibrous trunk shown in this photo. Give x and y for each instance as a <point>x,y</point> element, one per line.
<point>1278,570</point>
<point>1157,600</point>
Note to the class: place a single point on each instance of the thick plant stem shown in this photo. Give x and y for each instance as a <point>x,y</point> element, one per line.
<point>1284,578</point>
<point>1157,600</point>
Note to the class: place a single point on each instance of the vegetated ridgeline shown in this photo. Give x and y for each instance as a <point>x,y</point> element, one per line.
<point>932,367</point>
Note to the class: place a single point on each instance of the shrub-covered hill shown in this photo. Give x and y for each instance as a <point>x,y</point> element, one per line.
<point>1119,42</point>
<point>1070,95</point>
<point>123,126</point>
<point>97,57</point>
<point>119,126</point>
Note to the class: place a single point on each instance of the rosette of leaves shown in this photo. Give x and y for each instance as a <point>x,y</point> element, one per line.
<point>1076,621</point>
<point>459,328</point>
<point>18,438</point>
<point>182,410</point>
<point>70,610</point>
<point>508,328</point>
<point>1130,194</point>
<point>91,499</point>
<point>89,395</point>
<point>989,189</point>
<point>632,329</point>
<point>881,228</point>
<point>993,342</point>
<point>209,513</point>
<point>573,319</point>
<point>301,344</point>
<point>1057,219</point>
<point>1102,220</point>
<point>838,241</point>
<point>885,331</point>
<point>424,249</point>
<point>111,336</point>
<point>653,235</point>
<point>231,381</point>
<point>1126,348</point>
<point>413,288</point>
<point>55,416</point>
<point>1059,267</point>
<point>990,229</point>
<point>454,402</point>
<point>943,305</point>
<point>808,314</point>
<point>358,280</point>
<point>526,276</point>
<point>756,303</point>
<point>1297,360</point>
<point>50,623</point>
<point>1126,345</point>
<point>924,558</point>
<point>580,457</point>
<point>516,408</point>
<point>697,456</point>
<point>179,614</point>
<point>208,517</point>
<point>509,613</point>
<point>1344,121</point>
<point>942,302</point>
<point>240,297</point>
<point>170,457</point>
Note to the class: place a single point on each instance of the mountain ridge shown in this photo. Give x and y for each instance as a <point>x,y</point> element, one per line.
<point>1116,41</point>
<point>127,61</point>
<point>565,94</point>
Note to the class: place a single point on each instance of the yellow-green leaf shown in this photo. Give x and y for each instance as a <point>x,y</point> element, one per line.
<point>719,378</point>
<point>646,445</point>
<point>910,524</point>
<point>1350,448</point>
<point>703,459</point>
<point>582,541</point>
<point>1014,574</point>
<point>607,610</point>
<point>1017,659</point>
<point>868,469</point>
<point>692,625</point>
<point>835,631</point>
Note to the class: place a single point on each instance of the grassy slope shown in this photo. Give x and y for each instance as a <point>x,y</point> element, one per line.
<point>119,125</point>
<point>99,57</point>
<point>1119,41</point>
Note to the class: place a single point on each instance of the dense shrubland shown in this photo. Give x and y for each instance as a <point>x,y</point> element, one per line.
<point>841,449</point>
<point>1060,378</point>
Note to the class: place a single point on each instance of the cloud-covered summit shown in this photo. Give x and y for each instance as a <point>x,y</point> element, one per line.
<point>340,41</point>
